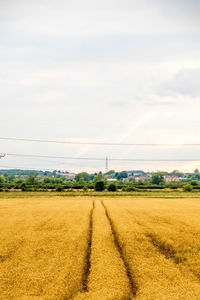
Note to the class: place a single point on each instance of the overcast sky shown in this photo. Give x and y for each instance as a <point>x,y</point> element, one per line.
<point>110,70</point>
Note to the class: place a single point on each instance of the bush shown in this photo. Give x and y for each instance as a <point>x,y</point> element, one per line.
<point>131,189</point>
<point>23,187</point>
<point>188,188</point>
<point>66,186</point>
<point>112,187</point>
<point>77,186</point>
<point>59,188</point>
<point>194,183</point>
<point>85,188</point>
<point>99,186</point>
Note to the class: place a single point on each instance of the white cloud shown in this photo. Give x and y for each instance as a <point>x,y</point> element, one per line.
<point>108,70</point>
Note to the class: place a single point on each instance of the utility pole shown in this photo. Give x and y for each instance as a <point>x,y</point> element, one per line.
<point>106,164</point>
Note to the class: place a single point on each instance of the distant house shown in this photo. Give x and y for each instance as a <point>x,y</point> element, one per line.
<point>171,178</point>
<point>69,176</point>
<point>140,178</point>
<point>21,176</point>
<point>111,179</point>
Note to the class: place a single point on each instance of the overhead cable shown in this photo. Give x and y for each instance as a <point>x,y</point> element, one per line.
<point>100,143</point>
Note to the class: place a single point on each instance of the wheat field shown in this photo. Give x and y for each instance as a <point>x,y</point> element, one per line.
<point>99,248</point>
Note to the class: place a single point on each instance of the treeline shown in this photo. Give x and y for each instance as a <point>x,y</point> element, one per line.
<point>111,181</point>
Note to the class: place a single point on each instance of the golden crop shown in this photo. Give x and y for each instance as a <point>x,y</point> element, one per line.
<point>42,246</point>
<point>143,227</point>
<point>97,248</point>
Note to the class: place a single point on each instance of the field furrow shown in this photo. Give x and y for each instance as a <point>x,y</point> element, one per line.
<point>87,263</point>
<point>108,276</point>
<point>118,246</point>
<point>175,232</point>
<point>156,277</point>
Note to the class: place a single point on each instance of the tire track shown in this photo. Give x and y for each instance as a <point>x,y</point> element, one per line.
<point>166,249</point>
<point>133,286</point>
<point>86,269</point>
<point>163,248</point>
<point>169,252</point>
<point>10,253</point>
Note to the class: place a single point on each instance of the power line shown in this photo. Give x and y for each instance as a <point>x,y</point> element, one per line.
<point>5,167</point>
<point>98,143</point>
<point>54,157</point>
<point>29,169</point>
<point>101,159</point>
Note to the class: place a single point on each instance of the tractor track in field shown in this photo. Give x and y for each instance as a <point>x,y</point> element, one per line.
<point>10,253</point>
<point>169,252</point>
<point>132,282</point>
<point>163,248</point>
<point>86,269</point>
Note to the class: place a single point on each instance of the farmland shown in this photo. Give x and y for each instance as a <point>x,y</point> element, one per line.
<point>88,247</point>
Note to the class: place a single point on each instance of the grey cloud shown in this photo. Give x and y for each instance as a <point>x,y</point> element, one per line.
<point>185,83</point>
<point>188,10</point>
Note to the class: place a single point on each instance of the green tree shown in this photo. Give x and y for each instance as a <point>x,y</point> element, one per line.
<point>19,181</point>
<point>194,183</point>
<point>85,188</point>
<point>110,173</point>
<point>23,187</point>
<point>99,177</point>
<point>112,187</point>
<point>32,179</point>
<point>121,175</point>
<point>157,178</point>
<point>10,178</point>
<point>99,186</point>
<point>59,188</point>
<point>82,182</point>
<point>92,176</point>
<point>47,179</point>
<point>188,188</point>
<point>2,179</point>
<point>84,176</point>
